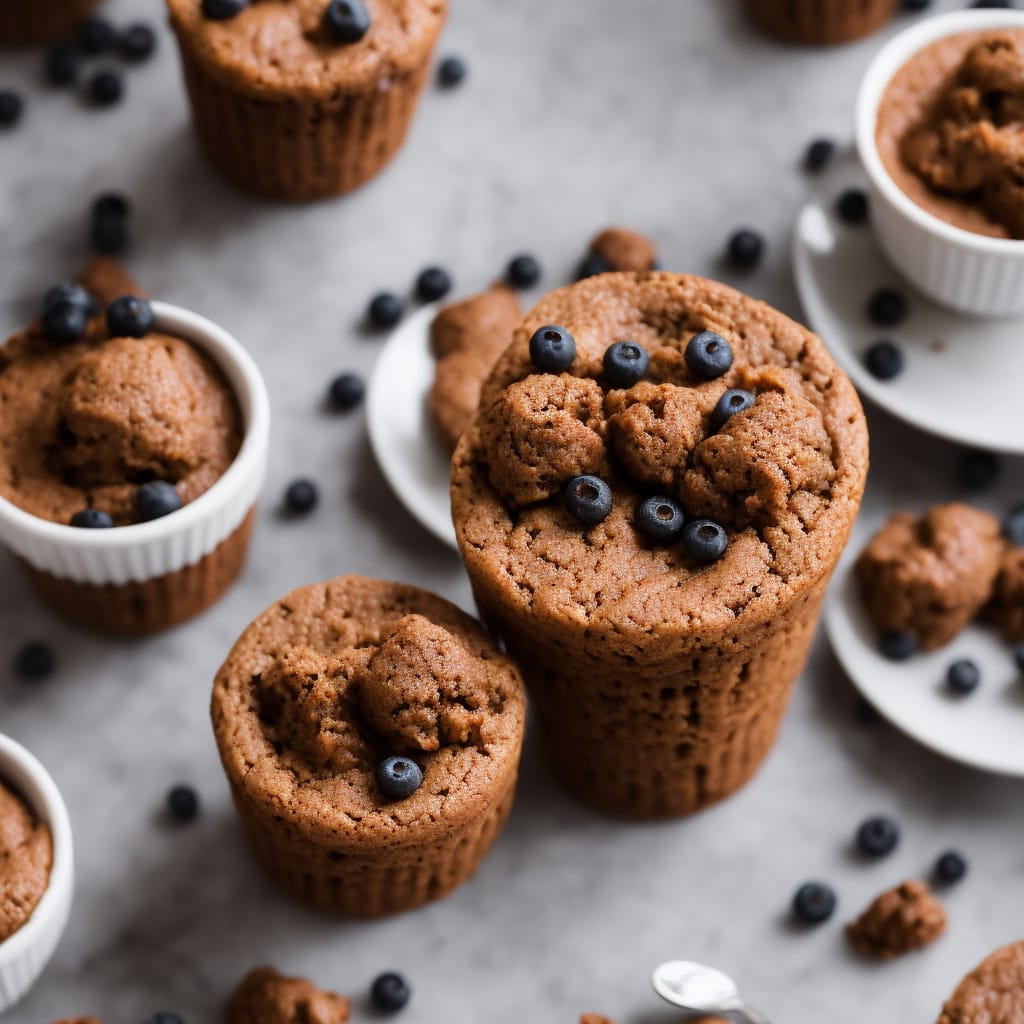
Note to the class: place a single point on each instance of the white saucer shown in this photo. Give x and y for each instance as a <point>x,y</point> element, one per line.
<point>956,367</point>
<point>404,438</point>
<point>984,729</point>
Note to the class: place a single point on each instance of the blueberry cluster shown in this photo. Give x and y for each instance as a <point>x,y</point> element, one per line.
<point>345,21</point>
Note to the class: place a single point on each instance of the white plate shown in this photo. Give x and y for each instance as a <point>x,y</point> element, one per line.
<point>956,367</point>
<point>984,729</point>
<point>402,434</point>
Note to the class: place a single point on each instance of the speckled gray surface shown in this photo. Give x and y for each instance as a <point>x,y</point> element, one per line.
<point>669,116</point>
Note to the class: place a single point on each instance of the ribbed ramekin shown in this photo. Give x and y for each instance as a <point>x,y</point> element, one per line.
<point>968,272</point>
<point>25,953</point>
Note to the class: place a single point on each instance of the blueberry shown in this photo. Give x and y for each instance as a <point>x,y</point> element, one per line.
<point>130,317</point>
<point>523,271</point>
<point>625,363</point>
<point>12,106</point>
<point>1000,5</point>
<point>96,35</point>
<point>951,867</point>
<point>301,497</point>
<point>887,307</point>
<point>346,391</point>
<point>552,349</point>
<point>164,1017</point>
<point>183,803</point>
<point>34,662</point>
<point>109,234</point>
<point>451,72</point>
<point>347,20</point>
<point>913,6</point>
<point>592,265</point>
<point>73,292</point>
<point>111,204</point>
<point>222,10</point>
<point>62,64</point>
<point>705,541</point>
<point>732,402</point>
<point>963,677</point>
<point>390,992</point>
<point>884,360</point>
<point>660,519</point>
<point>819,153</point>
<point>1013,527</point>
<point>588,498</point>
<point>155,500</point>
<point>106,88</point>
<point>708,355</point>
<point>137,43</point>
<point>1018,657</point>
<point>385,309</point>
<point>877,837</point>
<point>92,519</point>
<point>897,646</point>
<point>399,777</point>
<point>814,903</point>
<point>745,249</point>
<point>64,322</point>
<point>852,206</point>
<point>432,284</point>
<point>979,469</point>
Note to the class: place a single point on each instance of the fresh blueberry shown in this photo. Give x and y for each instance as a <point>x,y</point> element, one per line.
<point>877,837</point>
<point>592,265</point>
<point>390,992</point>
<point>625,363</point>
<point>708,355</point>
<point>399,777</point>
<point>385,310</point>
<point>979,469</point>
<point>96,36</point>
<point>109,234</point>
<point>852,206</point>
<point>137,43</point>
<point>897,646</point>
<point>523,271</point>
<point>1000,5</point>
<point>432,284</point>
<point>818,155</point>
<point>106,88</point>
<point>1018,657</point>
<point>164,1017</point>
<point>62,64</point>
<point>950,868</point>
<point>963,677</point>
<point>12,106</point>
<point>346,391</point>
<point>301,497</point>
<point>183,803</point>
<point>222,10</point>
<point>913,6</point>
<point>660,519</point>
<point>451,72</point>
<point>64,322</point>
<point>1013,528</point>
<point>552,349</point>
<point>814,903</point>
<point>588,498</point>
<point>347,20</point>
<point>130,317</point>
<point>92,519</point>
<point>745,249</point>
<point>884,360</point>
<point>887,307</point>
<point>732,402</point>
<point>73,292</point>
<point>705,541</point>
<point>156,499</point>
<point>111,204</point>
<point>34,662</point>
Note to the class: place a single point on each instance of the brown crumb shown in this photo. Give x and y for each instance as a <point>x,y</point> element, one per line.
<point>899,921</point>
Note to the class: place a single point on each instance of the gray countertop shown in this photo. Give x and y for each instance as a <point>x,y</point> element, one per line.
<point>666,115</point>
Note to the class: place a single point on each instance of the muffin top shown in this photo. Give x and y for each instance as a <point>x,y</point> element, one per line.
<point>336,678</point>
<point>26,856</point>
<point>265,996</point>
<point>993,993</point>
<point>84,424</point>
<point>783,477</point>
<point>286,47</point>
<point>901,920</point>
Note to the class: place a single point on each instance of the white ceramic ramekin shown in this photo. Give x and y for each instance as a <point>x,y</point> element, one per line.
<point>968,272</point>
<point>25,953</point>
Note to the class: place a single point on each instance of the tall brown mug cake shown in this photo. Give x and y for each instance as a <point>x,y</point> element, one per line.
<point>820,22</point>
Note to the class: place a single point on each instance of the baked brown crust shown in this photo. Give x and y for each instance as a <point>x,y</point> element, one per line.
<point>901,920</point>
<point>624,250</point>
<point>26,857</point>
<point>264,996</point>
<point>820,22</point>
<point>993,993</point>
<point>1006,609</point>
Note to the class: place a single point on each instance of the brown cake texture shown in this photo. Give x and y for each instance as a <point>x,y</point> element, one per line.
<point>930,575</point>
<point>621,249</point>
<point>323,686</point>
<point>1006,608</point>
<point>659,683</point>
<point>78,1020</point>
<point>265,996</point>
<point>820,22</point>
<point>27,22</point>
<point>466,338</point>
<point>285,110</point>
<point>26,857</point>
<point>993,993</point>
<point>901,920</point>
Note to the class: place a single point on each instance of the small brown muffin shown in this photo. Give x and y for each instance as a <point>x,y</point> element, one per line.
<point>27,22</point>
<point>317,692</point>
<point>899,921</point>
<point>466,338</point>
<point>266,997</point>
<point>79,1020</point>
<point>993,993</point>
<point>820,22</point>
<point>930,575</point>
<point>285,110</point>
<point>594,1018</point>
<point>1006,609</point>
<point>623,250</point>
<point>26,857</point>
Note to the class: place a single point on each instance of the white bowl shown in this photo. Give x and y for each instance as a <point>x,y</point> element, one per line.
<point>148,550</point>
<point>969,272</point>
<point>25,953</point>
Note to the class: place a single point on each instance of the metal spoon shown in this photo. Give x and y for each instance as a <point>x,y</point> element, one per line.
<point>700,989</point>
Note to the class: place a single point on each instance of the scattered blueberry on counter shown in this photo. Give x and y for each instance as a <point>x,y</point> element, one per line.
<point>814,903</point>
<point>897,646</point>
<point>552,349</point>
<point>183,804</point>
<point>963,677</point>
<point>979,469</point>
<point>346,392</point>
<point>34,662</point>
<point>523,271</point>
<point>390,992</point>
<point>301,497</point>
<point>852,207</point>
<point>399,777</point>
<point>109,224</point>
<point>588,498</point>
<point>96,36</point>
<point>432,284</point>
<point>451,71</point>
<point>884,360</point>
<point>887,307</point>
<point>745,249</point>
<point>136,43</point>
<point>12,106</point>
<point>385,310</point>
<point>819,155</point>
<point>878,837</point>
<point>62,64</point>
<point>105,88</point>
<point>164,1017</point>
<point>156,499</point>
<point>950,868</point>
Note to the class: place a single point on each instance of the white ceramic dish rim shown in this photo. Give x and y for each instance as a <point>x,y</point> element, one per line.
<point>886,63</point>
<point>47,803</point>
<point>251,392</point>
